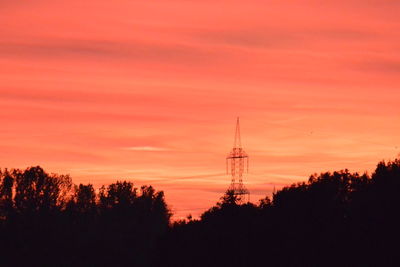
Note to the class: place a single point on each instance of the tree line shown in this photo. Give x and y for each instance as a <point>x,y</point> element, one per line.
<point>334,219</point>
<point>45,220</point>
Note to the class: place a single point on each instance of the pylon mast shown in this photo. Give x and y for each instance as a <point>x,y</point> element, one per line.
<point>237,162</point>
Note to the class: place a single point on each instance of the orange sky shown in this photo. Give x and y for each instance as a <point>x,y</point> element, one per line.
<point>150,90</point>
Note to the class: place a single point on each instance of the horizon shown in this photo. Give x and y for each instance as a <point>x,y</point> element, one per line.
<point>149,92</point>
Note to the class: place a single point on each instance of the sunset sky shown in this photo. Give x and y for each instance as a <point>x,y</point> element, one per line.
<point>149,91</point>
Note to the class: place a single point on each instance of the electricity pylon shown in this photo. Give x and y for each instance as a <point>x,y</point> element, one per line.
<point>237,162</point>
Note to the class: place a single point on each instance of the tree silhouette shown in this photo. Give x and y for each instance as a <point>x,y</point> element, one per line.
<point>37,191</point>
<point>229,198</point>
<point>84,198</point>
<point>6,198</point>
<point>119,195</point>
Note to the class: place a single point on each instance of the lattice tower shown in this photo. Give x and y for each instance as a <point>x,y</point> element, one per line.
<point>237,163</point>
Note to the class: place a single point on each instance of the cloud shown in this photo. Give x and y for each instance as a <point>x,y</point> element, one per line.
<point>165,52</point>
<point>250,38</point>
<point>146,148</point>
<point>380,65</point>
<point>282,37</point>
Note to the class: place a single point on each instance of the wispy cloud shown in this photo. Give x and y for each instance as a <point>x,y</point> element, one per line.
<point>145,148</point>
<point>171,52</point>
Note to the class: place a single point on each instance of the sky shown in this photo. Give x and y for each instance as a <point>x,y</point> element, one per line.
<point>149,91</point>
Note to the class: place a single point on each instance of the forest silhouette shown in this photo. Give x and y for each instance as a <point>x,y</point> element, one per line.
<point>333,219</point>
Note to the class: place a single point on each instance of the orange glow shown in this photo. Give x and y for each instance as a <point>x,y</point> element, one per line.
<point>149,90</point>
